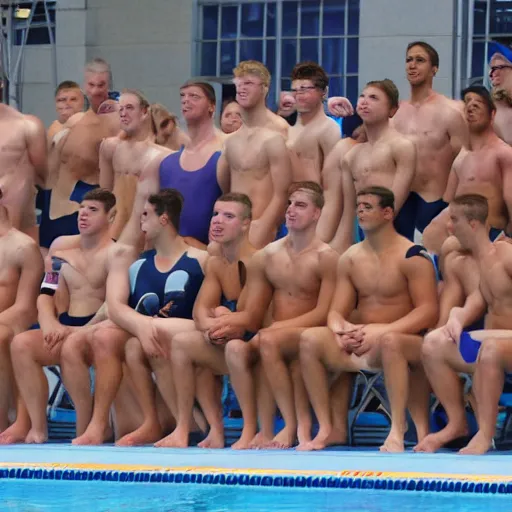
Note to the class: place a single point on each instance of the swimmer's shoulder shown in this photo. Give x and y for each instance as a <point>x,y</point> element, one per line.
<point>414,257</point>
<point>200,255</point>
<point>19,242</point>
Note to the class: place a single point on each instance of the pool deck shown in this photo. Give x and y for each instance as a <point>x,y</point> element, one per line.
<point>493,466</point>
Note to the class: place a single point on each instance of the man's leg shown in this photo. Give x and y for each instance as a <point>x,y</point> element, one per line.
<point>143,386</point>
<point>277,349</point>
<point>319,354</point>
<point>29,356</point>
<point>266,408</point>
<point>398,351</point>
<point>167,328</point>
<point>340,395</point>
<point>442,361</point>
<point>188,351</point>
<point>241,357</point>
<point>108,353</point>
<point>76,358</point>
<point>494,358</point>
<point>7,384</point>
<point>302,407</point>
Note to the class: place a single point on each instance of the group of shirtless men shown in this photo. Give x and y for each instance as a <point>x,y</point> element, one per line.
<point>165,263</point>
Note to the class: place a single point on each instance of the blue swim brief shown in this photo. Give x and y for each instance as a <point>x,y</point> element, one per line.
<point>74,321</point>
<point>468,347</point>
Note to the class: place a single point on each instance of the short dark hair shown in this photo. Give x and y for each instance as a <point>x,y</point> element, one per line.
<point>169,117</point>
<point>431,51</point>
<point>103,196</point>
<point>313,188</point>
<point>67,84</point>
<point>169,201</point>
<point>237,197</point>
<point>385,195</point>
<point>481,91</point>
<point>207,89</point>
<point>389,88</point>
<point>311,71</point>
<point>475,206</point>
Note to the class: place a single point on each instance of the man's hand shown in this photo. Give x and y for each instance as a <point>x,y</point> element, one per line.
<point>340,107</point>
<point>54,336</point>
<point>148,337</point>
<point>371,334</point>
<point>225,329</point>
<point>454,325</point>
<point>349,337</point>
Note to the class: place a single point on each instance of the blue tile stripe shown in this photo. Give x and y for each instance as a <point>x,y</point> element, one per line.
<point>248,479</point>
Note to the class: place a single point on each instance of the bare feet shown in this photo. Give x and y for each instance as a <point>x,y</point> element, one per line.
<point>215,439</point>
<point>244,443</point>
<point>178,438</point>
<point>259,441</point>
<point>283,440</point>
<point>394,443</point>
<point>16,433</point>
<point>36,437</point>
<point>434,442</point>
<point>303,434</point>
<point>319,442</point>
<point>147,433</point>
<point>479,445</point>
<point>93,435</point>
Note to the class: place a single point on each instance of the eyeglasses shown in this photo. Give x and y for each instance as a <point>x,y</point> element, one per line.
<point>498,68</point>
<point>302,90</point>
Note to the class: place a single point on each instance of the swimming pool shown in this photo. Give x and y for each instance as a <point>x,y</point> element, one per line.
<point>65,477</point>
<point>16,495</point>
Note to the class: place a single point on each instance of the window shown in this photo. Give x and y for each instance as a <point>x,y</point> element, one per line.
<point>281,33</point>
<point>38,31</point>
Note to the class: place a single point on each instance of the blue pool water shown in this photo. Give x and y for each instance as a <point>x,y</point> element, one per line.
<point>35,496</point>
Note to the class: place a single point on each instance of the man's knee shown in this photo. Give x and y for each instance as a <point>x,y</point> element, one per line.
<point>106,345</point>
<point>22,345</point>
<point>491,354</point>
<point>269,349</point>
<point>311,342</point>
<point>239,353</point>
<point>435,345</point>
<point>73,350</point>
<point>133,352</point>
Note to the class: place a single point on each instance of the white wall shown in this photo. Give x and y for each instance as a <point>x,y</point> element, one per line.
<point>387,26</point>
<point>148,43</point>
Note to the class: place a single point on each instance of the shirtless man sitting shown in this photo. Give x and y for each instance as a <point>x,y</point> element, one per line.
<point>293,274</point>
<point>387,159</point>
<point>20,277</point>
<point>314,135</point>
<point>142,295</point>
<point>77,155</point>
<point>372,317</point>
<point>63,309</point>
<point>493,358</point>
<point>221,293</point>
<point>130,158</point>
<point>500,73</point>
<point>449,349</point>
<point>23,165</point>
<point>69,100</point>
<point>256,156</point>
<point>486,169</point>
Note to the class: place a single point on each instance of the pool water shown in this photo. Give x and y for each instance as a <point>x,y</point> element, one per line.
<point>35,495</point>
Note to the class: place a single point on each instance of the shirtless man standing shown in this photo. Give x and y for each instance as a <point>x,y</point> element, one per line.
<point>69,100</point>
<point>20,277</point>
<point>78,156</point>
<point>371,316</point>
<point>486,169</point>
<point>332,182</point>
<point>222,292</point>
<point>500,73</point>
<point>387,159</point>
<point>76,299</point>
<point>130,158</point>
<point>256,156</point>
<point>313,135</point>
<point>23,165</point>
<point>193,170</point>
<point>293,274</point>
<point>469,218</point>
<point>447,351</point>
